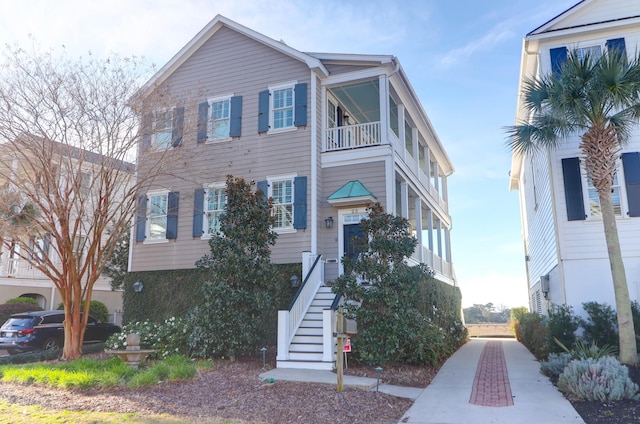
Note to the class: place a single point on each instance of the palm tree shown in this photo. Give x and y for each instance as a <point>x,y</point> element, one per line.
<point>597,98</point>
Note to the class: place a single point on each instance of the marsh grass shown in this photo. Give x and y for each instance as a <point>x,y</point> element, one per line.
<point>87,373</point>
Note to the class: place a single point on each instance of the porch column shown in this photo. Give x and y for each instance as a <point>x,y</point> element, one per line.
<point>401,131</point>
<point>419,229</point>
<point>415,139</point>
<point>404,193</point>
<point>430,233</point>
<point>383,85</point>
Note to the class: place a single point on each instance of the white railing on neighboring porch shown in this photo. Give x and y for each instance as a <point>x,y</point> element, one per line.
<point>289,321</point>
<point>352,136</point>
<point>20,268</point>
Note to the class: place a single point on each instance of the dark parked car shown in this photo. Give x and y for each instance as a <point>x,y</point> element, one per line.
<point>44,330</point>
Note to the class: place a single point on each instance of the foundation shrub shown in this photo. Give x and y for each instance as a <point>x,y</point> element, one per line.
<point>602,380</point>
<point>562,325</point>
<point>532,332</point>
<point>97,309</point>
<point>555,364</point>
<point>600,326</point>
<point>23,300</point>
<point>169,338</point>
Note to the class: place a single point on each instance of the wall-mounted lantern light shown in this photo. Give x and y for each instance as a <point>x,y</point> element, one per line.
<point>138,286</point>
<point>295,282</point>
<point>328,223</point>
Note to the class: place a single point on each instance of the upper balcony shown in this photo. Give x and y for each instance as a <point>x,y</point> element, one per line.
<point>358,115</point>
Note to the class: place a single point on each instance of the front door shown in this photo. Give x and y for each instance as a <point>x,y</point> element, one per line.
<point>351,247</point>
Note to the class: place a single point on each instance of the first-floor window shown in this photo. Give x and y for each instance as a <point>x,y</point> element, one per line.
<point>157,216</point>
<point>282,195</point>
<point>215,200</point>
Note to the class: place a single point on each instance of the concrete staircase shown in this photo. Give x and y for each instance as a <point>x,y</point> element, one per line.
<point>306,349</point>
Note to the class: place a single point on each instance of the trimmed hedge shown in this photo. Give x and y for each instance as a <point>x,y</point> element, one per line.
<point>173,293</point>
<point>9,309</point>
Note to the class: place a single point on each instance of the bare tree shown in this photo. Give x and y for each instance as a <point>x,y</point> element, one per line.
<point>68,140</point>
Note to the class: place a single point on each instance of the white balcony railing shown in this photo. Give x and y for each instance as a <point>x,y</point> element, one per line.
<point>352,136</point>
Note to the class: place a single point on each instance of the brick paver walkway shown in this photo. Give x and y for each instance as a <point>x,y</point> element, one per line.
<point>491,385</point>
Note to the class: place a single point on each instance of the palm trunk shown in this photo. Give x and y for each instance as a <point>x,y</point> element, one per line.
<point>626,331</point>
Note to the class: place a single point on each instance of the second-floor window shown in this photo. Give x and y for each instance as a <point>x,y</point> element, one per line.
<point>282,108</point>
<point>162,129</point>
<point>219,119</point>
<point>594,199</point>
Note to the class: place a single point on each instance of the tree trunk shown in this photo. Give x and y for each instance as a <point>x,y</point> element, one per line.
<point>626,331</point>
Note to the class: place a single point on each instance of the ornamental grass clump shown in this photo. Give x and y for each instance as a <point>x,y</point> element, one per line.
<point>603,379</point>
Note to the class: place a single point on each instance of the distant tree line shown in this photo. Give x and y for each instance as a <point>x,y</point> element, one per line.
<point>488,313</point>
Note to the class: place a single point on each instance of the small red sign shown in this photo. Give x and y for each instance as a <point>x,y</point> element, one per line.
<point>347,346</point>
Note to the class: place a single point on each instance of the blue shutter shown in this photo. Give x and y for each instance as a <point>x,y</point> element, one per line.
<point>141,218</point>
<point>573,189</point>
<point>264,187</point>
<point>198,206</point>
<point>631,165</point>
<point>558,59</point>
<point>300,93</point>
<point>203,120</point>
<point>172,215</point>
<point>618,45</point>
<point>178,126</point>
<point>263,111</point>
<point>146,130</point>
<point>236,116</point>
<point>300,202</point>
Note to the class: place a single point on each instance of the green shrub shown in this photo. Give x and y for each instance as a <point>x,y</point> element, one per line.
<point>22,299</point>
<point>169,338</point>
<point>531,331</point>
<point>602,380</point>
<point>555,364</point>
<point>97,309</point>
<point>601,326</point>
<point>583,351</point>
<point>562,325</point>
<point>9,309</point>
<point>635,312</point>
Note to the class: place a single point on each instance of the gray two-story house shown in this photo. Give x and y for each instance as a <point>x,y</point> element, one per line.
<point>324,135</point>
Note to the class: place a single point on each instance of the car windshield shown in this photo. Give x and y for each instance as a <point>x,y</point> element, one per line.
<point>17,322</point>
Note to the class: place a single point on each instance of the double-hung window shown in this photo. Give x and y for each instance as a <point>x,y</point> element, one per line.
<point>594,200</point>
<point>162,129</point>
<point>282,107</point>
<point>219,119</point>
<point>282,195</point>
<point>157,216</point>
<point>157,220</point>
<point>215,201</point>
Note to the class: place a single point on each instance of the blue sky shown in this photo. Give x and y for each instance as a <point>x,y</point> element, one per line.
<point>462,57</point>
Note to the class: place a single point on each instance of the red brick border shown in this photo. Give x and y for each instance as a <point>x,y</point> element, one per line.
<point>491,384</point>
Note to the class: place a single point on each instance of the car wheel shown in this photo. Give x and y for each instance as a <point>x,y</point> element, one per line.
<point>51,344</point>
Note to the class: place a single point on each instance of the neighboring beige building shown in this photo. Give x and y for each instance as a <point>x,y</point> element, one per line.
<point>17,276</point>
<point>323,134</point>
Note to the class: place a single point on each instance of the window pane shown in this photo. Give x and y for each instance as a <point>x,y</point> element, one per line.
<point>283,108</point>
<point>158,217</point>
<point>594,199</point>
<point>282,195</point>
<point>592,51</point>
<point>158,227</point>
<point>163,128</point>
<point>219,120</point>
<point>214,207</point>
<point>282,98</point>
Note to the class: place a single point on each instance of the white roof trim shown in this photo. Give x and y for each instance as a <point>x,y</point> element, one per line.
<point>211,28</point>
<point>544,27</point>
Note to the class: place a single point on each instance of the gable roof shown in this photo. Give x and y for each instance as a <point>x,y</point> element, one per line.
<point>589,13</point>
<point>208,31</point>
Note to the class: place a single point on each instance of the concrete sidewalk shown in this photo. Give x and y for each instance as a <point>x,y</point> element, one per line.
<point>447,400</point>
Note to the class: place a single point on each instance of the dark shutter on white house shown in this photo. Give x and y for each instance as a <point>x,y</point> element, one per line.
<point>178,126</point>
<point>263,111</point>
<point>631,165</point>
<point>198,206</point>
<point>203,120</point>
<point>172,215</point>
<point>300,98</point>
<point>264,187</point>
<point>573,189</point>
<point>558,59</point>
<point>617,44</point>
<point>300,202</point>
<point>141,218</point>
<point>236,116</point>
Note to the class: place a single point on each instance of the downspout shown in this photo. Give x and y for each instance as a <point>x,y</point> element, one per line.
<point>314,167</point>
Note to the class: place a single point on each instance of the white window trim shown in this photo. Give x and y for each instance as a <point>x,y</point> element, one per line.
<point>624,209</point>
<point>147,227</point>
<point>210,139</point>
<point>205,220</point>
<point>154,133</point>
<point>270,181</point>
<point>292,86</point>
